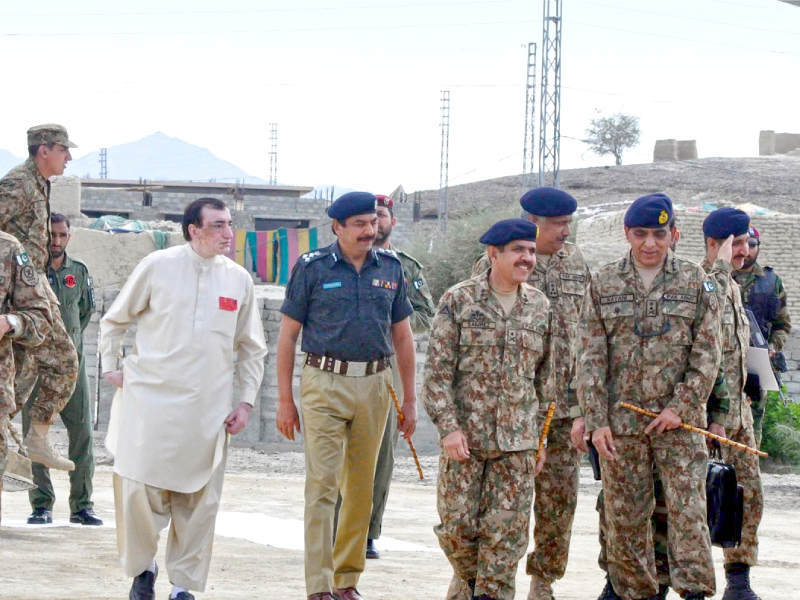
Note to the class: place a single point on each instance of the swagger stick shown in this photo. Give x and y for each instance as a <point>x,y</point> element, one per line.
<point>708,434</point>
<point>545,428</point>
<point>401,418</point>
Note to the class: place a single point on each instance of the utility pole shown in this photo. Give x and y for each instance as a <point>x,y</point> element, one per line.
<point>530,119</point>
<point>444,167</point>
<point>550,105</point>
<point>273,154</point>
<point>103,163</point>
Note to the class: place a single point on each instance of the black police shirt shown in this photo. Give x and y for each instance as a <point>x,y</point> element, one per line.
<point>345,314</point>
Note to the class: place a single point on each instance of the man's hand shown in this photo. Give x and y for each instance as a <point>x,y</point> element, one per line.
<point>455,444</point>
<point>716,429</point>
<point>726,250</point>
<point>578,434</point>
<point>666,421</point>
<point>540,462</point>
<point>604,442</point>
<point>409,424</point>
<point>287,420</point>
<point>114,377</point>
<point>5,326</point>
<point>237,420</point>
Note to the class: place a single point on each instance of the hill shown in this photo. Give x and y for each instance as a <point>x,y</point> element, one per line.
<point>161,157</point>
<point>8,161</point>
<point>768,181</point>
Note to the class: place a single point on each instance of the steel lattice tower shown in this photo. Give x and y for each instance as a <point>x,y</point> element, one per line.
<point>528,152</point>
<point>444,163</point>
<point>550,104</point>
<point>103,163</point>
<point>273,154</point>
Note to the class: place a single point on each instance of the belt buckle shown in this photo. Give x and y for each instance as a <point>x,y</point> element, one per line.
<point>357,369</point>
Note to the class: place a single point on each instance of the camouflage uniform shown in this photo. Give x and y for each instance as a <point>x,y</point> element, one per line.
<point>739,421</point>
<point>421,301</point>
<point>484,376</point>
<point>564,280</point>
<point>780,326</point>
<point>22,293</point>
<point>25,213</point>
<point>656,349</point>
<point>73,287</point>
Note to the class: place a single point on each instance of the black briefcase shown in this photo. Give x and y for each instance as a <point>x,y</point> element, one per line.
<point>725,504</point>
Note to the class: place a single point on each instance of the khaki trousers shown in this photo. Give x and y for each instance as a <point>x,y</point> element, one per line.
<point>343,424</point>
<point>142,511</point>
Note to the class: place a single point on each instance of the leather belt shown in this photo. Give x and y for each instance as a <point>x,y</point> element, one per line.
<point>349,368</point>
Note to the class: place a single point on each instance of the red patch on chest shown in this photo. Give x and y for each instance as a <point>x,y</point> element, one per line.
<point>227,303</point>
<point>70,281</point>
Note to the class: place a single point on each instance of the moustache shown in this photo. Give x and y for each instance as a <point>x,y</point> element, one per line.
<point>524,263</point>
<point>367,238</point>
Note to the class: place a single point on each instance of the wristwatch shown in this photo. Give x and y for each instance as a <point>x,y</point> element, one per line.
<point>13,322</point>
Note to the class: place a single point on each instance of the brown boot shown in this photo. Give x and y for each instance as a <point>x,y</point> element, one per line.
<point>40,450</point>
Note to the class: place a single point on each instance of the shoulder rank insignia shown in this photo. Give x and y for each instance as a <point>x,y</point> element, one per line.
<point>309,256</point>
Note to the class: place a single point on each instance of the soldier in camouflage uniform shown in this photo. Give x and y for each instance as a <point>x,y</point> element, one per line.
<point>738,425</point>
<point>764,294</point>
<point>648,336</point>
<point>26,319</point>
<point>484,375</point>
<point>70,280</point>
<point>25,213</point>
<point>562,275</point>
<point>421,301</point>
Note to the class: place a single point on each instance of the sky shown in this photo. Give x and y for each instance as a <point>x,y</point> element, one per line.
<point>355,86</point>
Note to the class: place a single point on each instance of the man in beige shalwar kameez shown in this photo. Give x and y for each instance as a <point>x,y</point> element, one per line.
<point>198,320</point>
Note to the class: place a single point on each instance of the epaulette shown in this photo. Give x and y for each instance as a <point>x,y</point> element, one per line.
<point>409,257</point>
<point>386,252</point>
<point>310,257</point>
<point>80,262</point>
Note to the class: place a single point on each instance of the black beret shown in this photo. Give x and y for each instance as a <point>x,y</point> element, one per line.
<point>506,231</point>
<point>548,202</point>
<point>351,204</point>
<point>726,221</point>
<point>651,211</point>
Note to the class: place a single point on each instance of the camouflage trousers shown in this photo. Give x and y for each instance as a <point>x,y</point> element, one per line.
<point>484,504</point>
<point>748,475</point>
<point>658,525</point>
<point>54,364</point>
<point>758,407</point>
<point>681,459</point>
<point>3,456</point>
<point>554,504</point>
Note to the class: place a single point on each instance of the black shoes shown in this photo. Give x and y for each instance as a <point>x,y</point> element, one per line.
<point>85,517</point>
<point>40,516</point>
<point>183,596</point>
<point>372,551</point>
<point>738,582</point>
<point>144,585</point>
<point>608,592</point>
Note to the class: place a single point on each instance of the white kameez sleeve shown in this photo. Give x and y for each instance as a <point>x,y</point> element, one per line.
<point>132,301</point>
<point>250,347</point>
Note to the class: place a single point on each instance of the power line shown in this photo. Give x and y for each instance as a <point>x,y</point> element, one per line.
<point>258,10</point>
<point>246,31</point>
<point>649,12</point>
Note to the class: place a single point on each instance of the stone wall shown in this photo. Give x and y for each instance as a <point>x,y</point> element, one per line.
<point>770,143</point>
<point>261,428</point>
<point>674,150</point>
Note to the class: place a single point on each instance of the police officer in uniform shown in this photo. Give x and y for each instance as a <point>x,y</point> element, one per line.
<point>70,280</point>
<point>421,301</point>
<point>648,336</point>
<point>350,300</point>
<point>764,294</point>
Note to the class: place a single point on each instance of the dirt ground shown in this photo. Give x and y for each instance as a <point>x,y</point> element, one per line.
<point>70,563</point>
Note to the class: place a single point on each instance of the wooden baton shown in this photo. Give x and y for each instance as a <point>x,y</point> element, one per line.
<point>401,418</point>
<point>708,434</point>
<point>545,428</point>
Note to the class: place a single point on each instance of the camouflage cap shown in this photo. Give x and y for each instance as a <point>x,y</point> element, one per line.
<point>49,133</point>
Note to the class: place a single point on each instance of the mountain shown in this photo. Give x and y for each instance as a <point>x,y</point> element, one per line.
<point>8,161</point>
<point>160,157</point>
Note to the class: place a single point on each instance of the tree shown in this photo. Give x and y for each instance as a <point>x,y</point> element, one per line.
<point>612,135</point>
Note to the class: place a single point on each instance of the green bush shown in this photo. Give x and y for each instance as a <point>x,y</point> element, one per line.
<point>781,432</point>
<point>448,258</point>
